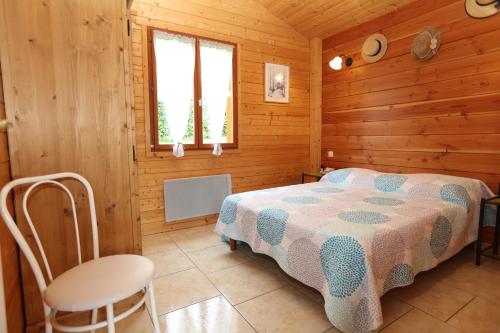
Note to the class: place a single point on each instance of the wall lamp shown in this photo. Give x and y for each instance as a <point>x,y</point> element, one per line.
<point>336,63</point>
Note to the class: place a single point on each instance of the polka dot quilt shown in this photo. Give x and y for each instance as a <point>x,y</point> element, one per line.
<point>357,233</point>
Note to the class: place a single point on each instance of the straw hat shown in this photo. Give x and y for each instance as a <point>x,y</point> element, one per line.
<point>426,44</point>
<point>482,8</point>
<point>374,48</point>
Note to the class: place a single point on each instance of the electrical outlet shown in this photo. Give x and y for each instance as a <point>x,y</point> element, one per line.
<point>330,153</point>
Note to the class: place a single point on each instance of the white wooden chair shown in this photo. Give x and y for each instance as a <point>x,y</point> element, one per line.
<point>91,285</point>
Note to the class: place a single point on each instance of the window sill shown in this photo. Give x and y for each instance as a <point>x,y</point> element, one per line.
<point>190,147</point>
<point>197,152</point>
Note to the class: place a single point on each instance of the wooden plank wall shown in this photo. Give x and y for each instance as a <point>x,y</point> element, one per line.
<point>10,259</point>
<point>274,138</point>
<point>65,89</point>
<point>315,103</point>
<point>400,115</point>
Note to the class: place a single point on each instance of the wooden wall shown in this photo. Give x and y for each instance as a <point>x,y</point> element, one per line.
<point>315,103</point>
<point>64,67</point>
<point>9,259</point>
<point>400,115</point>
<point>273,138</point>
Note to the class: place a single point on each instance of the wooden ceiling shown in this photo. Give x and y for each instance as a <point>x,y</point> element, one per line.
<point>323,18</point>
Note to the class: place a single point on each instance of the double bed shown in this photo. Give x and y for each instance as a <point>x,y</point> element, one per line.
<point>357,233</point>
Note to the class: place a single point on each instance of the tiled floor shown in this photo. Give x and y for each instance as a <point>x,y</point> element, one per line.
<point>201,286</point>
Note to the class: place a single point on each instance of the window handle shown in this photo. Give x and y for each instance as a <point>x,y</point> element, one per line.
<point>200,102</point>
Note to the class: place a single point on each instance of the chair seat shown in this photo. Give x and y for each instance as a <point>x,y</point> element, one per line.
<point>98,282</point>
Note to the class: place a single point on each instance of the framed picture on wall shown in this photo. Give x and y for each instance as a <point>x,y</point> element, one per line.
<point>277,82</point>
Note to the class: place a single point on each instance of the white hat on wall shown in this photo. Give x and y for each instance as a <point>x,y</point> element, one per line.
<point>482,8</point>
<point>374,48</point>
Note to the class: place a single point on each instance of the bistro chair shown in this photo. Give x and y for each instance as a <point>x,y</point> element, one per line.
<point>97,283</point>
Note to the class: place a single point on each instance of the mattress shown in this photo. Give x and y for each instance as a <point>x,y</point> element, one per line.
<point>357,233</point>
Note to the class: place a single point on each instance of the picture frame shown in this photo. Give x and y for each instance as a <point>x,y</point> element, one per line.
<point>276,83</point>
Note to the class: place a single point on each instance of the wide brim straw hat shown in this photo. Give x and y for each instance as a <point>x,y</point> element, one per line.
<point>426,44</point>
<point>482,8</point>
<point>374,48</point>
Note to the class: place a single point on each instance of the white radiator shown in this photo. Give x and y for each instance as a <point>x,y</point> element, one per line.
<point>193,197</point>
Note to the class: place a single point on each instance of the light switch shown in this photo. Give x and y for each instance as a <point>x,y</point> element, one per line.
<point>330,153</point>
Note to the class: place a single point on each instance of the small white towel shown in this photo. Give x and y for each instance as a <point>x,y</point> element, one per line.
<point>178,150</point>
<point>217,149</point>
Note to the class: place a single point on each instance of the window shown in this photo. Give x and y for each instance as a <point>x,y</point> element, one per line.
<point>193,91</point>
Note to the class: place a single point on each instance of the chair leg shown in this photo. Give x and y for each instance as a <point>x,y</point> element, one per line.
<point>48,328</point>
<point>93,319</point>
<point>152,305</point>
<point>48,325</point>
<point>110,318</point>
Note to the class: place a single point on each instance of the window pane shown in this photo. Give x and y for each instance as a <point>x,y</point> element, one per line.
<point>217,91</point>
<point>175,60</point>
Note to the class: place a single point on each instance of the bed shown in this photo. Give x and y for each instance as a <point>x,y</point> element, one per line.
<point>357,233</point>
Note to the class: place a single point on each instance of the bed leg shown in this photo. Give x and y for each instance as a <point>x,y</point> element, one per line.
<point>232,244</point>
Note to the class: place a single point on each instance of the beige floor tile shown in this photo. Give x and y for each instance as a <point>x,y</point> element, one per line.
<point>215,315</point>
<point>139,322</point>
<point>181,289</point>
<point>198,238</point>
<point>157,243</point>
<point>217,257</point>
<point>478,281</point>
<point>491,265</point>
<point>284,310</point>
<point>272,301</point>
<point>433,297</point>
<point>479,316</point>
<point>416,321</point>
<point>171,261</point>
<point>245,281</point>
<point>392,309</point>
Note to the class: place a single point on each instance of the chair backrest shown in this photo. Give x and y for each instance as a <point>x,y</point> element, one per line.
<point>18,236</point>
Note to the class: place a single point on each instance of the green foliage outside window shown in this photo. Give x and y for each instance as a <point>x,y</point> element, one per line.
<point>164,132</point>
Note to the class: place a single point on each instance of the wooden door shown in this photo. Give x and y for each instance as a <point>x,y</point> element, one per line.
<point>8,247</point>
<point>66,93</point>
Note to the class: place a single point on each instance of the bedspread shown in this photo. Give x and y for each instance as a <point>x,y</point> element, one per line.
<point>357,233</point>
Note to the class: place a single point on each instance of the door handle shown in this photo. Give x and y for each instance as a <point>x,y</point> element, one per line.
<point>4,124</point>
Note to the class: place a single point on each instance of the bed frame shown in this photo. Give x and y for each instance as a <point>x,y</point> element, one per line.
<point>233,245</point>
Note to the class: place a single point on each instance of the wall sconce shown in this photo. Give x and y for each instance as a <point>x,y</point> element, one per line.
<point>336,63</point>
